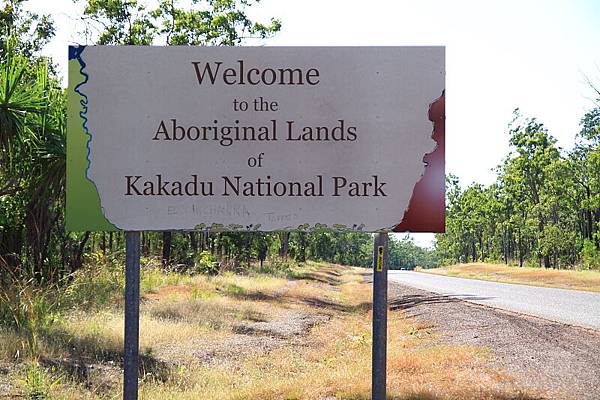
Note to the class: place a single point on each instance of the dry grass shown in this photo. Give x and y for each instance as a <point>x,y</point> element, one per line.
<point>11,345</point>
<point>336,363</point>
<point>565,279</point>
<point>329,360</point>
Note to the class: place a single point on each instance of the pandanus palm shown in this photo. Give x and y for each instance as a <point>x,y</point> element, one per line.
<point>32,159</point>
<point>21,95</point>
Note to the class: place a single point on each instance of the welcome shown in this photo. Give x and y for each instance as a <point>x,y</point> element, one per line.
<point>209,71</point>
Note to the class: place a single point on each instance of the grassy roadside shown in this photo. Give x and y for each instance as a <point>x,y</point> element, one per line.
<point>564,279</point>
<point>305,334</point>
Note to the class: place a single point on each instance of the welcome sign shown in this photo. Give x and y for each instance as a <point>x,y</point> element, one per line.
<point>256,138</point>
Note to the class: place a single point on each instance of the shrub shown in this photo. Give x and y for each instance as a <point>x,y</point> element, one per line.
<point>205,263</point>
<point>276,266</point>
<point>37,382</point>
<point>30,308</point>
<point>95,285</point>
<point>590,255</point>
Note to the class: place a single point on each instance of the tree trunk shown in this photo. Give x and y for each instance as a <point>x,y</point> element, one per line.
<point>166,250</point>
<point>547,261</point>
<point>144,243</point>
<point>194,241</point>
<point>78,257</point>
<point>205,240</point>
<point>285,244</point>
<point>302,255</point>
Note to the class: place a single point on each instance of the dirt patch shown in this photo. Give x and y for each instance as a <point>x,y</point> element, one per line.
<point>285,326</point>
<point>283,321</point>
<point>167,291</point>
<point>225,352</point>
<point>556,360</point>
<point>330,276</point>
<point>248,339</point>
<point>7,389</point>
<point>96,377</point>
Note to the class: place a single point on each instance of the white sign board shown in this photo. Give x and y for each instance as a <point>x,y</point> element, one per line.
<point>249,138</point>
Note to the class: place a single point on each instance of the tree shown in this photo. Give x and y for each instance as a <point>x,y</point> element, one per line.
<point>405,254</point>
<point>32,155</point>
<point>585,162</point>
<point>544,207</point>
<point>535,153</point>
<point>28,31</point>
<point>210,22</point>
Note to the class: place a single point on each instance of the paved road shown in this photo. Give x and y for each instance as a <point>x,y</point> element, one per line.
<point>568,306</point>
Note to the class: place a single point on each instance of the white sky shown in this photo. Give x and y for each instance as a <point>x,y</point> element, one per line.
<point>531,54</point>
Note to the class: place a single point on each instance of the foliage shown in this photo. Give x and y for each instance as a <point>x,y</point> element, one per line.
<point>30,31</point>
<point>348,248</point>
<point>205,263</point>
<point>405,254</point>
<point>273,266</point>
<point>32,164</point>
<point>544,208</point>
<point>29,308</point>
<point>210,22</point>
<point>38,384</point>
<point>590,255</point>
<point>97,284</point>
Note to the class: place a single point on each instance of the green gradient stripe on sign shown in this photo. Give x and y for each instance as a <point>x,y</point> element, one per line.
<point>84,212</point>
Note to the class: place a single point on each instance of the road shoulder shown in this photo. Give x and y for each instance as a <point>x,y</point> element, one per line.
<point>557,360</point>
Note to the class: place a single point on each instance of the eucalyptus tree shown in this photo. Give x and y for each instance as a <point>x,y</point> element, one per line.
<point>203,22</point>
<point>535,152</point>
<point>544,208</point>
<point>29,31</point>
<point>586,165</point>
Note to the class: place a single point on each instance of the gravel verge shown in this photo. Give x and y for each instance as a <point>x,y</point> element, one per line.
<point>556,360</point>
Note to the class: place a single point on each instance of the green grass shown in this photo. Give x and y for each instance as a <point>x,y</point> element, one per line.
<point>38,383</point>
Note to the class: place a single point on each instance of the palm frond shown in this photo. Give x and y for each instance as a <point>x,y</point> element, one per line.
<point>21,94</point>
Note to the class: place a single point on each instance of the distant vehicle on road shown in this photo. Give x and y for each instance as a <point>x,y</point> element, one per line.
<point>403,267</point>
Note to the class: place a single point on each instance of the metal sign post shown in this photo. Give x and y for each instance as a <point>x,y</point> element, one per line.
<point>379,355</point>
<point>132,316</point>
